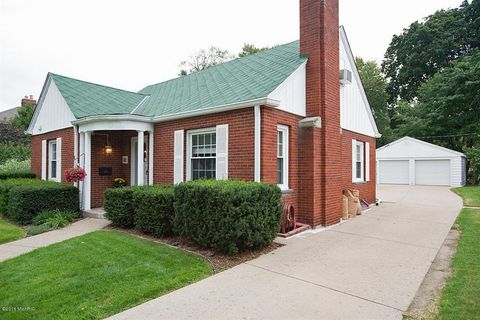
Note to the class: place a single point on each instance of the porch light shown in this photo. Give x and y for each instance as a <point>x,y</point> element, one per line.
<point>108,149</point>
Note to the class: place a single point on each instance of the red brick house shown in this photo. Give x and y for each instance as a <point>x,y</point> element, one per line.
<point>281,116</point>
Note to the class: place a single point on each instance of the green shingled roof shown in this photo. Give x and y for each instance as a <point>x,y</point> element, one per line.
<point>89,99</point>
<point>243,79</point>
<point>248,78</point>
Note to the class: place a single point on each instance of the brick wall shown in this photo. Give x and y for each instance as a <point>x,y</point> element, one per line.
<point>271,118</point>
<point>321,171</point>
<point>240,143</point>
<point>67,150</point>
<point>121,146</point>
<point>367,189</point>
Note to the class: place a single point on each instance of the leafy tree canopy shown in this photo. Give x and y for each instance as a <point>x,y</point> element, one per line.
<point>249,49</point>
<point>426,47</point>
<point>448,108</point>
<point>204,59</point>
<point>24,116</point>
<point>375,86</point>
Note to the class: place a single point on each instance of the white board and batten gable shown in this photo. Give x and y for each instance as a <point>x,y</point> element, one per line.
<point>292,92</point>
<point>355,112</point>
<point>421,163</point>
<point>52,112</point>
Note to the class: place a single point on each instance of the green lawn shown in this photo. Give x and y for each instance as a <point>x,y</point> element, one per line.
<point>470,195</point>
<point>10,232</point>
<point>93,276</point>
<point>460,298</point>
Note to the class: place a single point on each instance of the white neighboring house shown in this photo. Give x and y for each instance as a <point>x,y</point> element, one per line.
<point>411,161</point>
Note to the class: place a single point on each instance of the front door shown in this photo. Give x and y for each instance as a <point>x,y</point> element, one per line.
<point>134,162</point>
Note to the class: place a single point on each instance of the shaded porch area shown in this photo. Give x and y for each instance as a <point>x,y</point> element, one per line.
<point>110,154</point>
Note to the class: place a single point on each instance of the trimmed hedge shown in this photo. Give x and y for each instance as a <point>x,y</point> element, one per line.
<point>227,216</point>
<point>119,207</point>
<point>6,185</point>
<point>27,200</point>
<point>4,175</point>
<point>154,210</point>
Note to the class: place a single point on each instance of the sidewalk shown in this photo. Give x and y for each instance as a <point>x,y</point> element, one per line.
<point>369,268</point>
<point>15,248</point>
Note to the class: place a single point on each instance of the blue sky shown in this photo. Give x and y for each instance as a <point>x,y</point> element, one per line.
<point>131,44</point>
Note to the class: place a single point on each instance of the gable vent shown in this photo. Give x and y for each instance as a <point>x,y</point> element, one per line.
<point>345,76</point>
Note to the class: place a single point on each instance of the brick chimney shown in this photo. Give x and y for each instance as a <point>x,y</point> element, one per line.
<point>29,100</point>
<point>320,200</point>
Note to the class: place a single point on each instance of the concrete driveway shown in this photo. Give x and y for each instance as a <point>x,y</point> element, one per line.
<point>368,268</point>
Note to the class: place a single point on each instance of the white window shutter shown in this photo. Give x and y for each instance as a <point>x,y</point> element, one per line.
<point>178,156</point>
<point>44,159</point>
<point>59,160</point>
<point>222,152</point>
<point>354,155</point>
<point>367,161</point>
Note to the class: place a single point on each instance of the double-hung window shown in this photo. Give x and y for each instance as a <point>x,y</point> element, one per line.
<point>282,157</point>
<point>52,160</point>
<point>359,161</point>
<point>203,153</point>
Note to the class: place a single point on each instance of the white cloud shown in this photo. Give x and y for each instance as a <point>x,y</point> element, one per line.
<point>131,44</point>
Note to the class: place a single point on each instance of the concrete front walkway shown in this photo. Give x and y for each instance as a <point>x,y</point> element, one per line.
<point>368,268</point>
<point>12,249</point>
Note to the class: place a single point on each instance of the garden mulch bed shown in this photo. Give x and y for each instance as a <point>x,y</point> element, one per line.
<point>218,261</point>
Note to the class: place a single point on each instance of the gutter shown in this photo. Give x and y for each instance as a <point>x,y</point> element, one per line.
<point>132,117</point>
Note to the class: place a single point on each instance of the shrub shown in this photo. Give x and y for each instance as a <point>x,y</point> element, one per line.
<point>154,210</point>
<point>228,216</point>
<point>25,201</point>
<point>6,185</point>
<point>119,207</point>
<point>56,221</point>
<point>16,165</point>
<point>10,151</point>
<point>4,175</point>
<point>45,215</point>
<point>34,230</point>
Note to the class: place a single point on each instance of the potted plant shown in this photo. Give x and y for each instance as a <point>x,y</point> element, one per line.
<point>119,183</point>
<point>75,174</point>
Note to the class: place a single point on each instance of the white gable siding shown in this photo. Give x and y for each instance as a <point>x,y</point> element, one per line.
<point>418,152</point>
<point>292,93</point>
<point>411,148</point>
<point>353,107</point>
<point>53,112</point>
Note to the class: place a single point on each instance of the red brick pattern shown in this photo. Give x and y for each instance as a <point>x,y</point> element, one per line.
<point>241,131</point>
<point>67,150</point>
<point>367,189</point>
<point>270,119</point>
<point>121,146</point>
<point>321,163</point>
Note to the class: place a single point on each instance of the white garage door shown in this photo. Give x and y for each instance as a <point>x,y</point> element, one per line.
<point>393,171</point>
<point>432,172</point>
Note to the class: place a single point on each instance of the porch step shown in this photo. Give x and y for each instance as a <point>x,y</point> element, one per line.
<point>97,213</point>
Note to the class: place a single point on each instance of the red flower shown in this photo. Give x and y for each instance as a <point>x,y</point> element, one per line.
<point>75,174</point>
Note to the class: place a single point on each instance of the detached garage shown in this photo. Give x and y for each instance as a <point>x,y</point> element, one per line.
<point>415,162</point>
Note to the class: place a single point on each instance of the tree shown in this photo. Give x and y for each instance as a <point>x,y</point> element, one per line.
<point>448,108</point>
<point>427,47</point>
<point>375,86</point>
<point>249,49</point>
<point>24,116</point>
<point>204,59</point>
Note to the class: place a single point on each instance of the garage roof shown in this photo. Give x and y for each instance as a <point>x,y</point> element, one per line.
<point>408,147</point>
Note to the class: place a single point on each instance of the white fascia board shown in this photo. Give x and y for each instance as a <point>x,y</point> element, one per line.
<point>229,107</point>
<point>456,153</point>
<point>131,117</point>
<point>41,98</point>
<point>351,58</point>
